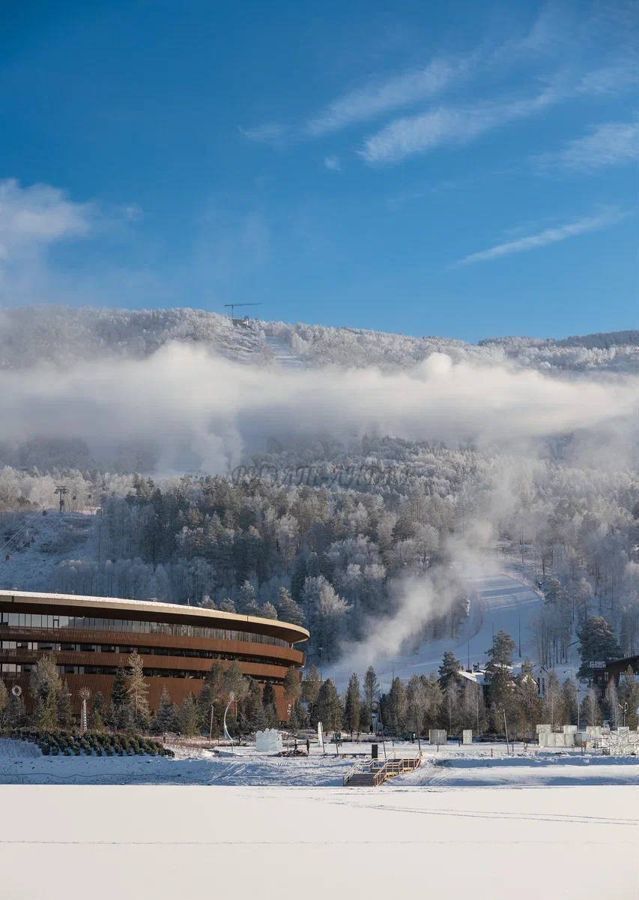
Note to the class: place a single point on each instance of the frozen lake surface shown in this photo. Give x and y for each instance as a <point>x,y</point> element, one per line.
<point>164,842</point>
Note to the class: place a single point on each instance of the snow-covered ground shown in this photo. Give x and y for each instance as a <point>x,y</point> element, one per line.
<point>451,766</point>
<point>166,842</point>
<point>252,825</point>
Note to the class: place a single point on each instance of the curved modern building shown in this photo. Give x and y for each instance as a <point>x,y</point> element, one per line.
<point>91,637</point>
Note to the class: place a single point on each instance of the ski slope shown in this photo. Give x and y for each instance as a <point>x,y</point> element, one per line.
<point>30,551</point>
<point>499,602</point>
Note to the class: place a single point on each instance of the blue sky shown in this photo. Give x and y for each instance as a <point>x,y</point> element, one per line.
<point>464,169</point>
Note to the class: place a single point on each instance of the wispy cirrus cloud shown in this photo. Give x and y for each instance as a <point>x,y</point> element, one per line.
<point>419,133</point>
<point>547,236</point>
<point>382,96</point>
<point>610,144</point>
<point>268,133</point>
<point>411,135</point>
<point>332,163</point>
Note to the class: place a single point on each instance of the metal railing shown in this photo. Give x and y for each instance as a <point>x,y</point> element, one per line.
<point>380,771</point>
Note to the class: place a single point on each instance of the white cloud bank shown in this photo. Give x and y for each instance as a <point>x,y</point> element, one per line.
<point>32,218</point>
<point>189,403</point>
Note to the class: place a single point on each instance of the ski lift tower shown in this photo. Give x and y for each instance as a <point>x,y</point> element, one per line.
<point>233,307</point>
<point>62,491</point>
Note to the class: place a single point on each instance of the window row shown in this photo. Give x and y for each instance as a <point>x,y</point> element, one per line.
<point>19,651</point>
<point>85,623</point>
<point>17,669</point>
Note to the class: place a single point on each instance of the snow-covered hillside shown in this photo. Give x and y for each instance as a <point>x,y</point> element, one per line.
<point>60,335</point>
<point>34,544</point>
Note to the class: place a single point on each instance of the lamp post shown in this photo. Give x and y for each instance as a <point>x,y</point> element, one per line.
<point>624,708</point>
<point>228,706</point>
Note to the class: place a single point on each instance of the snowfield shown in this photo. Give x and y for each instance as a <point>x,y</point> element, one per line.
<point>270,842</point>
<point>252,825</point>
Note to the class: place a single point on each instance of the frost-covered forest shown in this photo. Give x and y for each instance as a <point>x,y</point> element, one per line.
<point>321,504</point>
<point>327,542</point>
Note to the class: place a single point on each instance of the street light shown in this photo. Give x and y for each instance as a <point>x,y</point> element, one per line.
<point>624,707</point>
<point>228,706</point>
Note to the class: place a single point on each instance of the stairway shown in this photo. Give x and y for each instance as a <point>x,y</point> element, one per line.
<point>375,772</point>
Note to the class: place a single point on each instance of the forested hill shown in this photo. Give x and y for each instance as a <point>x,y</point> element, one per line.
<point>61,336</point>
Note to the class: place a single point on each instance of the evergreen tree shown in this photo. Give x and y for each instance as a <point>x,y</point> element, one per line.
<point>247,600</point>
<point>187,717</point>
<point>119,695</point>
<point>396,708</point>
<point>98,712</point>
<point>254,707</point>
<point>352,706</point>
<point>501,653</point>
<point>4,701</point>
<point>597,643</point>
<point>527,706</point>
<point>270,706</point>
<point>449,669</point>
<point>165,719</point>
<point>45,686</point>
<point>65,711</point>
<point>15,713</point>
<point>311,687</point>
<point>371,696</point>
<point>434,700</point>
<point>287,609</point>
<point>329,711</point>
<point>501,685</point>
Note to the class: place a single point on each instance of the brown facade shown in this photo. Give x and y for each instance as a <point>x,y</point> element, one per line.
<point>91,637</point>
